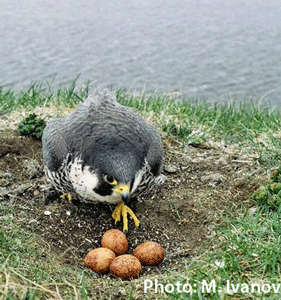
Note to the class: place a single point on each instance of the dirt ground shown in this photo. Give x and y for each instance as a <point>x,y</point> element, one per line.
<point>202,182</point>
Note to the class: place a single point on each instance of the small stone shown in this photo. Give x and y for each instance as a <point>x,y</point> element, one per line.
<point>219,263</point>
<point>213,179</point>
<point>122,291</point>
<point>47,213</point>
<point>31,167</point>
<point>36,193</point>
<point>171,168</point>
<point>221,161</point>
<point>252,211</point>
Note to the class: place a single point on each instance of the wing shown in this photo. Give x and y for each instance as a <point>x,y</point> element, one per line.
<point>54,145</point>
<point>155,151</point>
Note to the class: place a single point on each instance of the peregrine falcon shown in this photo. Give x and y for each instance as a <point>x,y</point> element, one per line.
<point>103,151</point>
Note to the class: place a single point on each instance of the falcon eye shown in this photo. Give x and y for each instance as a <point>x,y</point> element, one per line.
<point>110,179</point>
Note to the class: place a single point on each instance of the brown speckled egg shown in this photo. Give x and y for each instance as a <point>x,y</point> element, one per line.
<point>149,253</point>
<point>126,267</point>
<point>115,240</point>
<point>99,259</point>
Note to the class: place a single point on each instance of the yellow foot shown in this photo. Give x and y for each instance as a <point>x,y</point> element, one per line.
<point>122,209</point>
<point>66,196</point>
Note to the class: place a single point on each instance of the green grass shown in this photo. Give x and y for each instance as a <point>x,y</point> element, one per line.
<point>195,122</point>
<point>39,95</point>
<point>246,249</point>
<point>226,120</point>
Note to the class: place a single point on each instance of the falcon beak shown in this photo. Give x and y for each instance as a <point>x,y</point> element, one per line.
<point>124,191</point>
<point>126,197</point>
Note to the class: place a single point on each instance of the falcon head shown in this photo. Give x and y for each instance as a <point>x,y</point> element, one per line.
<point>108,172</point>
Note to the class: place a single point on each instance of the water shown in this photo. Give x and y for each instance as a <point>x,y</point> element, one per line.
<point>210,49</point>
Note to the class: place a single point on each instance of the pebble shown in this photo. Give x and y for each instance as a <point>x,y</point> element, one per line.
<point>219,263</point>
<point>47,213</point>
<point>213,179</point>
<point>252,211</point>
<point>171,168</point>
<point>31,167</point>
<point>122,291</point>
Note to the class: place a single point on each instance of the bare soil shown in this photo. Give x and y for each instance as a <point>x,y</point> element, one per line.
<point>202,183</point>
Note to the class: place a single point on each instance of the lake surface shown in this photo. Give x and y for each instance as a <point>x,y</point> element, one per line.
<point>211,49</point>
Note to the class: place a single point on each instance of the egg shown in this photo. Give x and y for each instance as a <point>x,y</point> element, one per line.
<point>126,267</point>
<point>115,240</point>
<point>99,259</point>
<point>149,253</point>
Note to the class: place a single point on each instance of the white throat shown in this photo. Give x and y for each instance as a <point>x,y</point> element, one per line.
<point>85,181</point>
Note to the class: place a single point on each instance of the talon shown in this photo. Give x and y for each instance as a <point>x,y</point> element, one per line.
<point>122,209</point>
<point>117,213</point>
<point>66,196</point>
